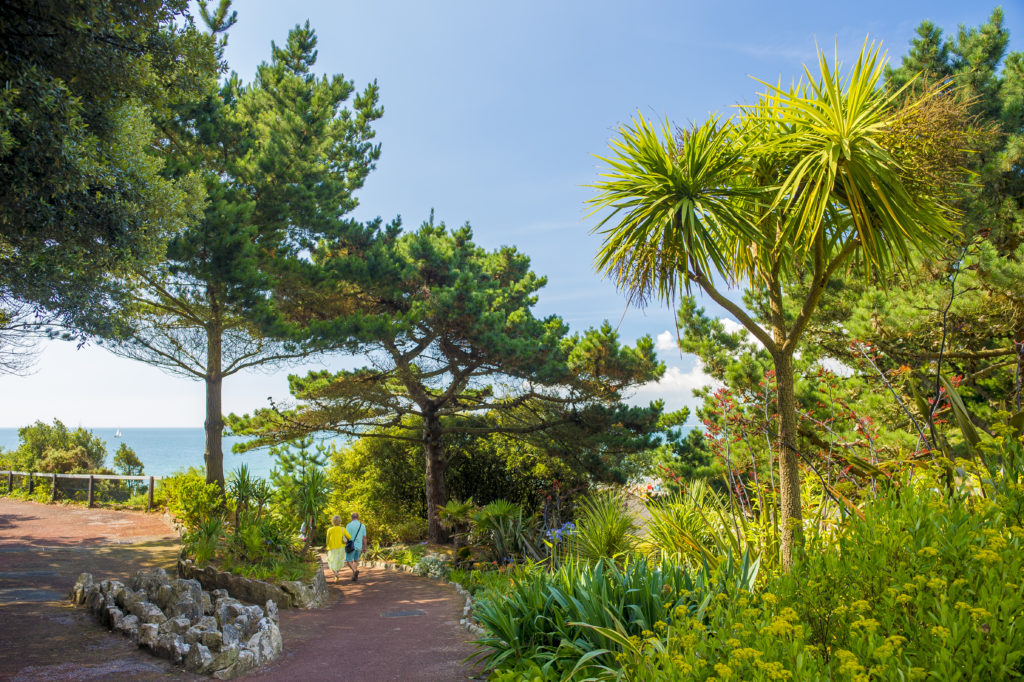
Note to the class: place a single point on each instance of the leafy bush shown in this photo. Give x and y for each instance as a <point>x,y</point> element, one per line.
<point>410,530</point>
<point>507,533</point>
<point>189,498</point>
<point>54,448</point>
<point>432,566</point>
<point>924,586</point>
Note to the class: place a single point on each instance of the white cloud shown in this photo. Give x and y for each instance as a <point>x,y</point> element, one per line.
<point>665,341</point>
<point>675,388</point>
<point>731,326</point>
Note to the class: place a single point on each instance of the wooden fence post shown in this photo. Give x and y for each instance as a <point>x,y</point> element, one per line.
<point>90,491</point>
<point>53,493</point>
<point>150,506</point>
<point>31,484</point>
<point>10,482</point>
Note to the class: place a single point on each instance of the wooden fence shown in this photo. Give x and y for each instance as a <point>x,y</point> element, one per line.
<point>34,476</point>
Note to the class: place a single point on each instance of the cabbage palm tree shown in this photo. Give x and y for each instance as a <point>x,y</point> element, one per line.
<point>806,181</point>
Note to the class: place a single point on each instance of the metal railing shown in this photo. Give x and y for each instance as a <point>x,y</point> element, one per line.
<point>94,481</point>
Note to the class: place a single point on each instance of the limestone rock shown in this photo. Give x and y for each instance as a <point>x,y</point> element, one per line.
<point>245,662</point>
<point>206,623</point>
<point>178,625</point>
<point>149,633</point>
<point>148,612</point>
<point>112,617</point>
<point>231,635</point>
<point>207,604</point>
<point>81,588</point>
<point>270,608</point>
<point>94,599</point>
<point>171,646</point>
<point>187,607</point>
<point>212,639</point>
<point>225,658</point>
<point>198,659</point>
<point>129,627</point>
<point>193,635</point>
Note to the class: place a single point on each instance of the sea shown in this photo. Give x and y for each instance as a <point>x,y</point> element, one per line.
<point>165,451</point>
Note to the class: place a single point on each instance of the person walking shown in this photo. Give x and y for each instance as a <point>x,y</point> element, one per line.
<point>336,537</point>
<point>357,531</point>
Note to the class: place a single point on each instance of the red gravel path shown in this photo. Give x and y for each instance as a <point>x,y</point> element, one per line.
<point>388,626</point>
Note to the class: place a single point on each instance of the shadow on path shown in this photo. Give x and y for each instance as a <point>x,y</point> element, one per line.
<point>388,626</point>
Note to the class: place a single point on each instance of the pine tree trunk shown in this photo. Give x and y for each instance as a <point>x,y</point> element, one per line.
<point>437,494</point>
<point>789,470</point>
<point>214,413</point>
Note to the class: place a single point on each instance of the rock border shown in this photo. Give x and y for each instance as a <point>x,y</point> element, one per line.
<point>290,594</point>
<point>208,633</point>
<point>467,621</point>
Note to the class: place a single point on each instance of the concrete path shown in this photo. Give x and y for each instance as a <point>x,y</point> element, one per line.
<point>388,626</point>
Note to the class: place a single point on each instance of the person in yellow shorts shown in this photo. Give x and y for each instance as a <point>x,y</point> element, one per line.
<point>337,534</point>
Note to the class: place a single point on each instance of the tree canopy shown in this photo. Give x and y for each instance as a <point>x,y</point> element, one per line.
<point>280,160</point>
<point>454,348</point>
<point>809,180</point>
<point>83,201</point>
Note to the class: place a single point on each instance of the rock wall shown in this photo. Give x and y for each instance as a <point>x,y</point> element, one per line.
<point>289,594</point>
<point>209,633</point>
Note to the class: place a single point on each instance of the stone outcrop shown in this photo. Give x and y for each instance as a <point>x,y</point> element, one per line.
<point>210,633</point>
<point>290,594</point>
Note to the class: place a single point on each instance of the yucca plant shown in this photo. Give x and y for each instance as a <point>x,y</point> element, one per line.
<point>808,180</point>
<point>605,528</point>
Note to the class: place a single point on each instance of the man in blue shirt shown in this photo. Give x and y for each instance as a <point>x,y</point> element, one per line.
<point>357,531</point>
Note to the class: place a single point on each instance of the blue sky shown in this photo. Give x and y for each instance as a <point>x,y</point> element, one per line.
<point>492,115</point>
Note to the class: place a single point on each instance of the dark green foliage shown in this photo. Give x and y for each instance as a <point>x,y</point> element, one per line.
<point>455,349</point>
<point>280,160</point>
<point>968,303</point>
<point>300,485</point>
<point>56,449</point>
<point>548,619</point>
<point>382,478</point>
<point>82,200</point>
<point>127,462</point>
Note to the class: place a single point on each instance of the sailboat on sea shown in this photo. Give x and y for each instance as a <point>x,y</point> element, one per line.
<point>117,433</point>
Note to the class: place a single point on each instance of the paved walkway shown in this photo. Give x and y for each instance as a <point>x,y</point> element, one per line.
<point>388,626</point>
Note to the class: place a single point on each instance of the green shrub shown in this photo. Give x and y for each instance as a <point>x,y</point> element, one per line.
<point>924,586</point>
<point>189,498</point>
<point>553,619</point>
<point>605,528</point>
<point>507,534</point>
<point>411,530</point>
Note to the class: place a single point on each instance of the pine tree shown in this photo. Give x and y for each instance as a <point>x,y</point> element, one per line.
<point>454,348</point>
<point>280,160</point>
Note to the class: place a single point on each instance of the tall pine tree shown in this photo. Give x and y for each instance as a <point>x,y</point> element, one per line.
<point>280,159</point>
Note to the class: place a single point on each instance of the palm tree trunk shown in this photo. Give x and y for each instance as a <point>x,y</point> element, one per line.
<point>789,471</point>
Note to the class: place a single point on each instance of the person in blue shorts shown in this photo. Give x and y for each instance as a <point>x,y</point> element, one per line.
<point>357,531</point>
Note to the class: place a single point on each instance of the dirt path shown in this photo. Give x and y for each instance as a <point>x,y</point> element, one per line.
<point>43,548</point>
<point>388,626</point>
